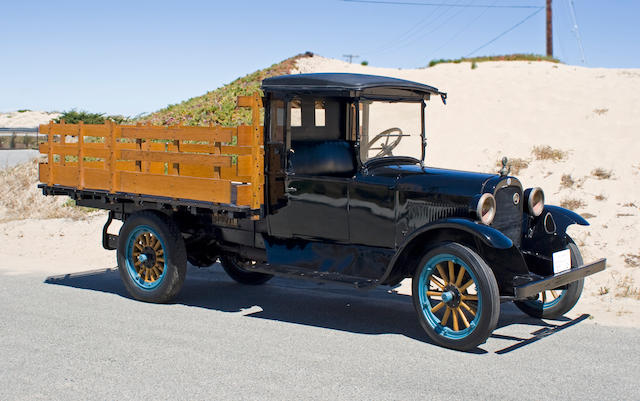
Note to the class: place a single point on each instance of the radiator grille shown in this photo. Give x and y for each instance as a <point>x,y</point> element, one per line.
<point>508,217</point>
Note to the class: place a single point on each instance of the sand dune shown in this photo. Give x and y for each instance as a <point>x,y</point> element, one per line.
<point>26,119</point>
<point>588,118</point>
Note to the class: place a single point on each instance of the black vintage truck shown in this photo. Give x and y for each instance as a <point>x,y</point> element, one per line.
<point>341,193</point>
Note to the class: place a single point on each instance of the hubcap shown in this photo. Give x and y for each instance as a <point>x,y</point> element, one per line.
<point>447,297</point>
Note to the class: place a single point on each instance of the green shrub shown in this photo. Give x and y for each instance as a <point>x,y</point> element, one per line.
<point>74,117</point>
<point>219,106</point>
<point>506,57</point>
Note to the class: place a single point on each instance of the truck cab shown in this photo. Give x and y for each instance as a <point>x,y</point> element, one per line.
<point>324,132</point>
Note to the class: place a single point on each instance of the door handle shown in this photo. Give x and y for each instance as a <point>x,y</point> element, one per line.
<point>291,189</point>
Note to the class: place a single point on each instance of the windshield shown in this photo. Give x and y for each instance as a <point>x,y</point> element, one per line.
<point>390,129</point>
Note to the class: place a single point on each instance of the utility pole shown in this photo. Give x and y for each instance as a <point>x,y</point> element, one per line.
<point>549,30</point>
<point>350,57</point>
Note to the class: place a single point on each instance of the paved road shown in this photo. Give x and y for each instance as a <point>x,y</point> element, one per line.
<point>80,337</point>
<point>12,157</point>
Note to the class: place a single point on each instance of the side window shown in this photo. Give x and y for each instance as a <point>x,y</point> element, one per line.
<point>296,113</point>
<point>277,120</point>
<point>320,113</point>
<point>318,137</point>
<point>313,119</point>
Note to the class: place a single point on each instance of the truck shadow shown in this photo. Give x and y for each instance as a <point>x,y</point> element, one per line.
<point>336,307</point>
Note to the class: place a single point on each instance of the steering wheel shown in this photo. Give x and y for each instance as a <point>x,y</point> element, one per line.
<point>386,147</point>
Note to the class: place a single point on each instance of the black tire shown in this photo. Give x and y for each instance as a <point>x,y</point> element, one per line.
<point>165,266</point>
<point>566,299</point>
<point>434,319</point>
<point>234,266</point>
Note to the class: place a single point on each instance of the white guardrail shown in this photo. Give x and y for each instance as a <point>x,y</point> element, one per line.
<point>13,150</point>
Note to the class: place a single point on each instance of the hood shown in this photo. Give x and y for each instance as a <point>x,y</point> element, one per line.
<point>428,194</point>
<point>420,181</point>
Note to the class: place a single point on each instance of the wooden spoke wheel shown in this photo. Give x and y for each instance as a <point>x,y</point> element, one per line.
<point>456,297</point>
<point>146,258</point>
<point>151,257</point>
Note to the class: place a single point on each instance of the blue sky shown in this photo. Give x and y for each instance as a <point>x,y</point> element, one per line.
<point>129,57</point>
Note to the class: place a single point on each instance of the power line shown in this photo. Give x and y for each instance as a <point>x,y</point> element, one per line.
<point>467,26</point>
<point>575,29</point>
<point>417,27</point>
<point>558,22</point>
<point>437,27</point>
<point>417,34</point>
<point>410,3</point>
<point>350,57</point>
<point>507,31</point>
<point>434,27</point>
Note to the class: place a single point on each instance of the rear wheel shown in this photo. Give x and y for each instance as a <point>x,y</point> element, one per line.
<point>456,297</point>
<point>237,269</point>
<point>151,257</point>
<point>552,304</point>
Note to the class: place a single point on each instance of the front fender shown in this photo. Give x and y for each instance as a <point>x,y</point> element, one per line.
<point>543,237</point>
<point>493,246</point>
<point>488,235</point>
<point>564,217</point>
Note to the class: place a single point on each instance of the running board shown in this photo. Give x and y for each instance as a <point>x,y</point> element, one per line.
<point>325,277</point>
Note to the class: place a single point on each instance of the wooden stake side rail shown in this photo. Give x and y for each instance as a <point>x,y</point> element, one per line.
<point>196,163</point>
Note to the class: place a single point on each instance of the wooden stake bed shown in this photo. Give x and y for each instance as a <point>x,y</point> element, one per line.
<point>195,163</point>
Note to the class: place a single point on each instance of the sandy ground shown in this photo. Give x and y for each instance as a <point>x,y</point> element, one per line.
<point>54,246</point>
<point>26,119</point>
<point>500,108</point>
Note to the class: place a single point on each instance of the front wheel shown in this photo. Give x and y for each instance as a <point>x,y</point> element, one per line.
<point>152,259</point>
<point>456,297</point>
<point>552,304</point>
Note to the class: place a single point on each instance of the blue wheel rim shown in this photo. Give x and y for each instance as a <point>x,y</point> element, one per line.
<point>146,258</point>
<point>542,304</point>
<point>429,302</point>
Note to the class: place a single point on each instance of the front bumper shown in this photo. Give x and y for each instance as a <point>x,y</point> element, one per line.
<point>548,283</point>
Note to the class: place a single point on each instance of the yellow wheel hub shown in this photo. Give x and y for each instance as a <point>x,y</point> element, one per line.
<point>148,257</point>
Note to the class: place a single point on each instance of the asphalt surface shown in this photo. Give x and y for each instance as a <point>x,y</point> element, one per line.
<point>81,337</point>
<point>13,157</point>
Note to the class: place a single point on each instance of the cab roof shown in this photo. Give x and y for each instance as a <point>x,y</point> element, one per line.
<point>350,85</point>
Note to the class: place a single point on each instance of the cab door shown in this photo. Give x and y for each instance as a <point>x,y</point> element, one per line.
<point>308,199</point>
<point>372,210</point>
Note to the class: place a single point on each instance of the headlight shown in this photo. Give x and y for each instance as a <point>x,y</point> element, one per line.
<point>535,201</point>
<point>486,208</point>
